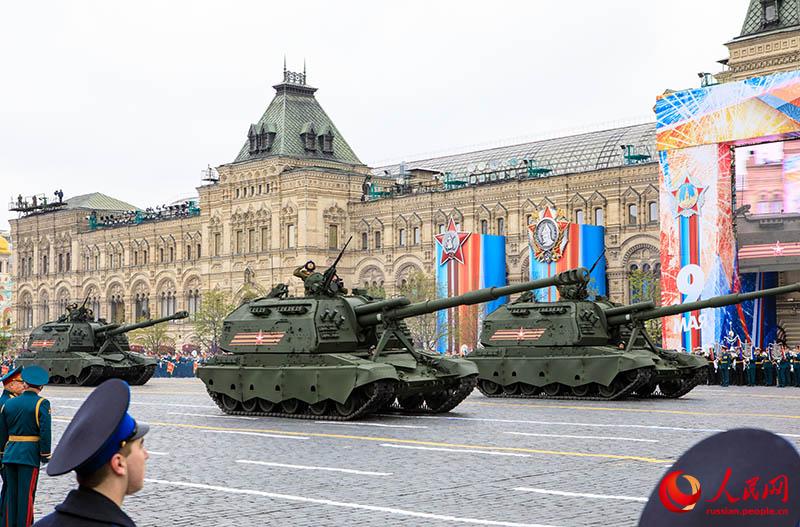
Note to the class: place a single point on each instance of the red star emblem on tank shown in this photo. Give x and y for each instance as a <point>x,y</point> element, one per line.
<point>452,242</point>
<point>688,197</point>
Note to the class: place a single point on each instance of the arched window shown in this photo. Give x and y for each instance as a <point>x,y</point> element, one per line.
<point>599,216</point>
<point>652,212</point>
<point>484,226</point>
<point>141,306</point>
<point>193,301</point>
<point>633,214</point>
<point>579,219</point>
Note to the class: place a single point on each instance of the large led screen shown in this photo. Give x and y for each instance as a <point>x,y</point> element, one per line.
<point>768,177</point>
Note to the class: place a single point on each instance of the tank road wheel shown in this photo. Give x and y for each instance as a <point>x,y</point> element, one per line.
<point>489,388</point>
<point>412,402</point>
<point>70,380</point>
<point>142,377</point>
<point>265,406</point>
<point>529,390</point>
<point>56,379</point>
<point>229,404</point>
<point>319,408</point>
<point>607,392</point>
<point>250,406</point>
<point>349,406</point>
<point>511,389</point>
<point>582,390</point>
<point>552,389</point>
<point>292,406</point>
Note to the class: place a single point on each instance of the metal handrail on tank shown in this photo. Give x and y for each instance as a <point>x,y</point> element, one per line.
<point>367,316</point>
<point>109,330</point>
<point>718,301</point>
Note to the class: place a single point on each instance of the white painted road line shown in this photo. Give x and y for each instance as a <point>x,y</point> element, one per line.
<point>456,450</point>
<point>215,416</point>
<point>305,467</point>
<point>259,434</point>
<point>342,504</point>
<point>176,405</point>
<point>561,423</point>
<point>584,437</point>
<point>581,495</point>
<point>156,453</point>
<point>382,425</point>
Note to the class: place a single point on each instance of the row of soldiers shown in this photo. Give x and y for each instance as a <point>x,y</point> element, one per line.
<point>759,368</point>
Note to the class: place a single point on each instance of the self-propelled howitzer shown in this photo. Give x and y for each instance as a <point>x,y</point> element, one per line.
<point>76,349</point>
<point>577,348</point>
<point>333,355</point>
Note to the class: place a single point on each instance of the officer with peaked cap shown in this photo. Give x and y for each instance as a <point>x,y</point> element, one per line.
<point>25,434</point>
<point>104,445</point>
<point>12,386</point>
<point>737,478</point>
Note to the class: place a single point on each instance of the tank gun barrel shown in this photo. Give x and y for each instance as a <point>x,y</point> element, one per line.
<point>573,276</point>
<point>718,301</point>
<point>376,307</point>
<point>109,330</point>
<point>621,310</point>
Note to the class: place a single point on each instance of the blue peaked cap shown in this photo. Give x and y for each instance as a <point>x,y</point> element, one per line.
<point>100,427</point>
<point>35,375</point>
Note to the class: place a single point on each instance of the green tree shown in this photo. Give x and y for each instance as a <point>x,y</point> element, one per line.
<point>646,286</point>
<point>207,322</point>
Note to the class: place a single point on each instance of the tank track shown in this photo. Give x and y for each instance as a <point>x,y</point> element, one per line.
<point>428,404</point>
<point>687,385</point>
<point>143,377</point>
<point>383,393</point>
<point>643,377</point>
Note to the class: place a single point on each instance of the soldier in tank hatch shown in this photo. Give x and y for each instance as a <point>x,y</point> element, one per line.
<point>25,434</point>
<point>104,445</point>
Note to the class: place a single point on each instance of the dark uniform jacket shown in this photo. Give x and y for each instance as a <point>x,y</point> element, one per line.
<point>85,507</point>
<point>25,429</point>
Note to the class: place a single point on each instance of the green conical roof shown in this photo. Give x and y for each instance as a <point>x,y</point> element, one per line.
<point>292,113</point>
<point>759,20</point>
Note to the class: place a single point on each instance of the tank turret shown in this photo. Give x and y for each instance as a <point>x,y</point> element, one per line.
<point>579,348</point>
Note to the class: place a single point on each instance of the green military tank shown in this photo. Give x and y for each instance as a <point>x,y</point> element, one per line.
<point>334,355</point>
<point>576,348</point>
<point>76,349</point>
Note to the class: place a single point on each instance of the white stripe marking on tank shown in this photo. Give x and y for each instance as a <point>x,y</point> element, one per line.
<point>581,494</point>
<point>455,451</point>
<point>306,467</point>
<point>351,423</point>
<point>215,416</point>
<point>584,437</point>
<point>343,504</point>
<point>259,434</point>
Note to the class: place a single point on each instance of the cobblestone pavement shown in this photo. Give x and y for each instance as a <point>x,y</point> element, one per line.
<point>491,462</point>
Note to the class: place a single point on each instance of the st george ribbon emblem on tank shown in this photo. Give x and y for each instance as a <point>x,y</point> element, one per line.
<point>548,236</point>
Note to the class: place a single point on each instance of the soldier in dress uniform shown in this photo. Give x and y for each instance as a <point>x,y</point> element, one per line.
<point>725,361</point>
<point>104,445</point>
<point>751,371</point>
<point>25,434</point>
<point>711,376</point>
<point>738,368</point>
<point>759,367</point>
<point>783,370</point>
<point>12,386</point>
<point>769,370</point>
